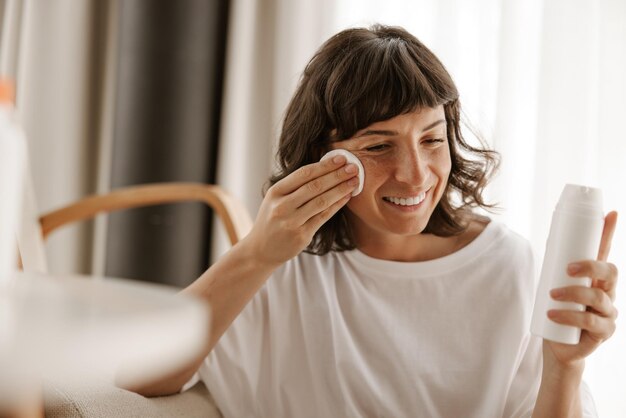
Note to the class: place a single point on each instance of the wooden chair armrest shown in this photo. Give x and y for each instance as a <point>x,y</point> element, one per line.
<point>233,214</point>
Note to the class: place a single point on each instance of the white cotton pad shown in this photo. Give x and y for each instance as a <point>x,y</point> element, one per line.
<point>351,158</point>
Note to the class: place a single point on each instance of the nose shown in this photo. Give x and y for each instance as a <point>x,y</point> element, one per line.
<point>411,168</point>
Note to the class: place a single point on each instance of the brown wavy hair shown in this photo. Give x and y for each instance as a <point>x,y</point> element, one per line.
<point>365,75</point>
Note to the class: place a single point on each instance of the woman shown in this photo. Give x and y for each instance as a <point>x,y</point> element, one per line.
<point>399,301</point>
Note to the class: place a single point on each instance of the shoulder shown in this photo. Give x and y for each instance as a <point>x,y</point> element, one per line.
<point>479,225</point>
<point>500,244</point>
<point>511,241</point>
<point>506,258</point>
<point>510,256</point>
<point>308,270</point>
<point>307,264</point>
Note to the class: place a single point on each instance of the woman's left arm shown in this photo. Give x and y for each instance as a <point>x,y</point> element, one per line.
<point>563,364</point>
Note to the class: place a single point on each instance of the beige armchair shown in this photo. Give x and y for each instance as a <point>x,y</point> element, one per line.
<point>102,399</point>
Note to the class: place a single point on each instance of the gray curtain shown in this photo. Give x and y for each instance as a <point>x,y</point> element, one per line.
<point>2,9</point>
<point>165,129</point>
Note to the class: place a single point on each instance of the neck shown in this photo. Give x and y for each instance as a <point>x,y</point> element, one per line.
<point>417,247</point>
<point>420,247</point>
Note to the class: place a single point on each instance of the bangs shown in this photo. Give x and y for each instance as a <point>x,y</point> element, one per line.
<point>383,78</point>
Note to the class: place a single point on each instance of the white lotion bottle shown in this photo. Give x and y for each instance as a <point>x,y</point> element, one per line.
<point>575,234</point>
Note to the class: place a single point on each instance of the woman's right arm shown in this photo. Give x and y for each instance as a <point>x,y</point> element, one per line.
<point>291,212</point>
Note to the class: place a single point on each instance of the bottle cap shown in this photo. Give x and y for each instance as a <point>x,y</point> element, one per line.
<point>7,91</point>
<point>584,200</point>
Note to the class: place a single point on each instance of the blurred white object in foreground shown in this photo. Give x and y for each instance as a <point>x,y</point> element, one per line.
<point>12,158</point>
<point>86,328</point>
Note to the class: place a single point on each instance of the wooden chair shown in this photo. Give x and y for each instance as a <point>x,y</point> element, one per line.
<point>231,212</point>
<point>233,215</point>
<point>96,399</point>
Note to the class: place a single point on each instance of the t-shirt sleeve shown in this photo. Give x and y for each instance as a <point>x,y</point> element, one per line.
<point>230,372</point>
<point>237,353</point>
<point>586,399</point>
<point>524,389</point>
<point>525,385</point>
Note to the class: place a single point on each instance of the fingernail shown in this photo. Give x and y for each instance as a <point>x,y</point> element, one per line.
<point>353,181</point>
<point>350,168</point>
<point>556,293</point>
<point>574,268</point>
<point>339,159</point>
<point>552,314</point>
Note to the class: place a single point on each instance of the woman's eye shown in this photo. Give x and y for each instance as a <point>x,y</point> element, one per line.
<point>375,148</point>
<point>434,140</point>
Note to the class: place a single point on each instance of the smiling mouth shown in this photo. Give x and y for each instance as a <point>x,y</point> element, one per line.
<point>406,201</point>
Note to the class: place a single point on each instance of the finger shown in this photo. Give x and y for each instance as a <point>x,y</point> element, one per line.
<point>325,201</point>
<point>610,222</point>
<point>307,173</point>
<point>321,218</point>
<point>316,187</point>
<point>599,327</point>
<point>594,298</point>
<point>603,274</point>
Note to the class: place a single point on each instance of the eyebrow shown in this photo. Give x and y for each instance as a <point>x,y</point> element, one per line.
<point>383,132</point>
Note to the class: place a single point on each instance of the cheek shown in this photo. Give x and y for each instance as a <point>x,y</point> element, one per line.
<point>375,171</point>
<point>441,162</point>
<point>374,176</point>
<point>442,167</point>
<point>446,167</point>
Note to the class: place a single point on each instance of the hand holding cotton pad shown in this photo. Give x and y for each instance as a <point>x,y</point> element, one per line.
<point>351,159</point>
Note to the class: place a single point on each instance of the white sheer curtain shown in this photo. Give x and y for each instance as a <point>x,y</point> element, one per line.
<point>64,102</point>
<point>269,43</point>
<point>543,80</point>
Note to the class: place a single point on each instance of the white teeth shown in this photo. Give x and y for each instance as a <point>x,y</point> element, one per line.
<point>411,201</point>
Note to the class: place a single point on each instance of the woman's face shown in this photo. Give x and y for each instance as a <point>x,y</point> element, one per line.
<point>407,164</point>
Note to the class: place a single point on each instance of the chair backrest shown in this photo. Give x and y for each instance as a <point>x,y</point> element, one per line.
<point>231,212</point>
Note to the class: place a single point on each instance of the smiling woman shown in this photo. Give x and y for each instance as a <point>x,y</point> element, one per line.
<point>396,301</point>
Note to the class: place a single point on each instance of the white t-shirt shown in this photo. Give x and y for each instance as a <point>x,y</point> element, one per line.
<point>347,335</point>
